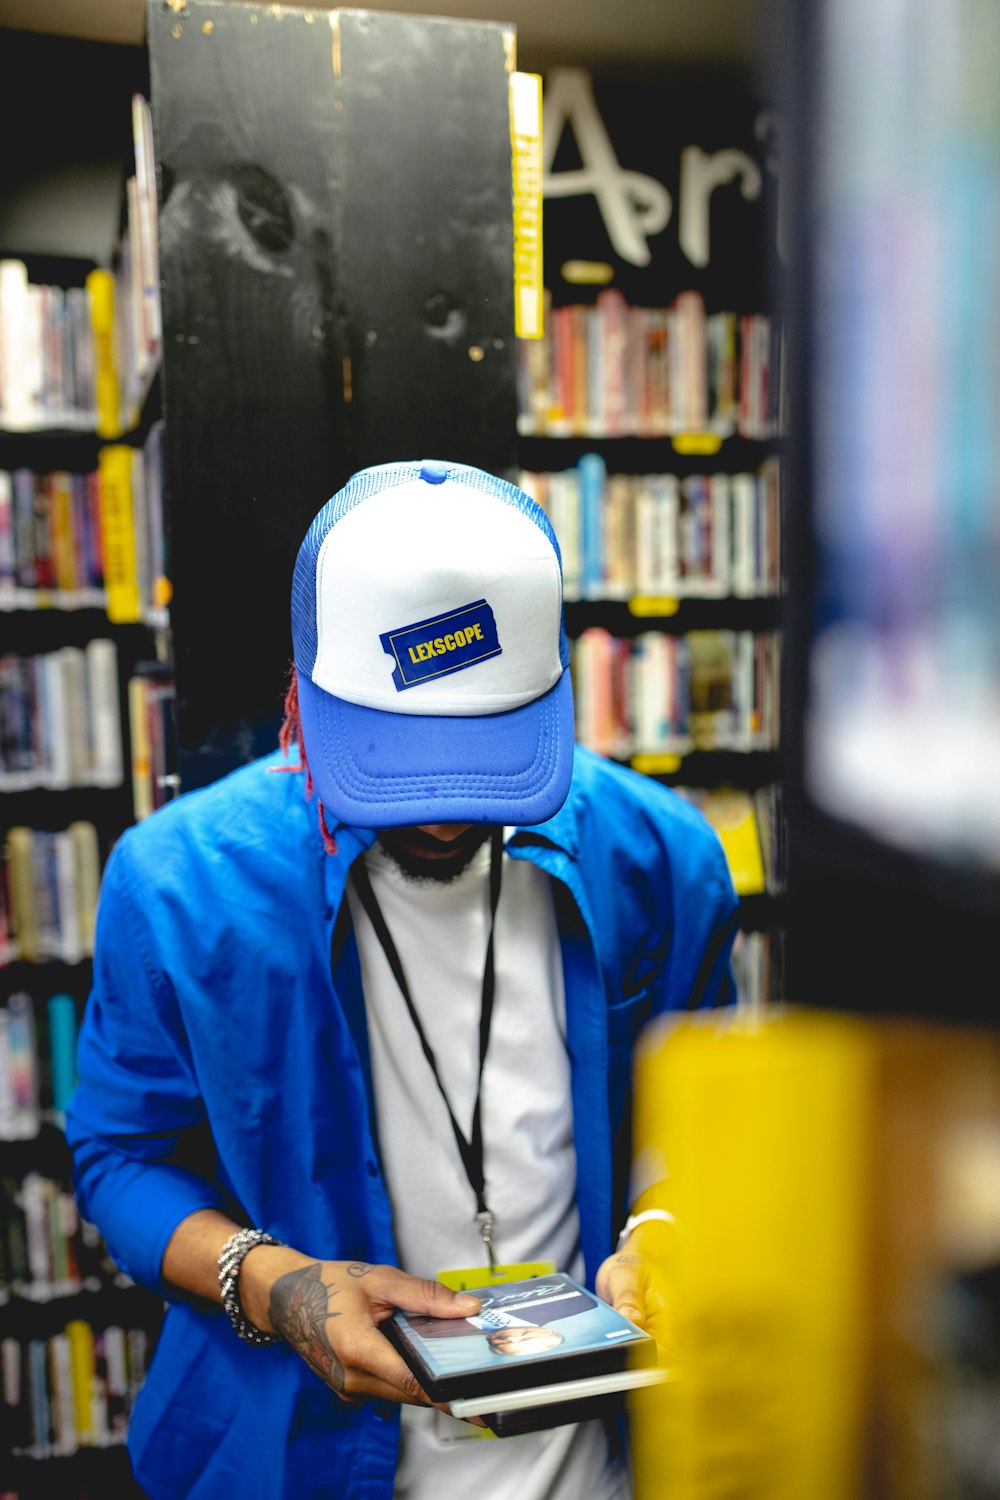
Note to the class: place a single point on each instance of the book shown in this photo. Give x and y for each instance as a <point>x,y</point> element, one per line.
<point>730,811</point>
<point>540,1353</point>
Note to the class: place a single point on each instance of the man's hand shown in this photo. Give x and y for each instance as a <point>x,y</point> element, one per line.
<point>329,1311</point>
<point>635,1281</point>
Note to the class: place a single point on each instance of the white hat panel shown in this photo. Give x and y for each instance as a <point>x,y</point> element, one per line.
<point>425,553</point>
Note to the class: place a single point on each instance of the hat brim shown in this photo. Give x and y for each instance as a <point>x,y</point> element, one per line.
<point>384,770</point>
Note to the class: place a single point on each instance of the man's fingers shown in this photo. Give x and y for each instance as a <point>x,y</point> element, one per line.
<point>622,1282</point>
<point>373,1370</point>
<point>417,1295</point>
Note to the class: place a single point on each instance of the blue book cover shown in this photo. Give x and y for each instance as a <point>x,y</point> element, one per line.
<point>593,482</point>
<point>528,1333</point>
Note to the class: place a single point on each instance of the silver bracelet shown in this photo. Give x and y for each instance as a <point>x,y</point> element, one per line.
<point>634,1219</point>
<point>229,1262</point>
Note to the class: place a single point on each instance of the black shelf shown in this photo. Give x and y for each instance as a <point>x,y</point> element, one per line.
<point>643,455</point>
<point>762,912</point>
<point>715,768</point>
<point>726,613</point>
<point>90,1474</point>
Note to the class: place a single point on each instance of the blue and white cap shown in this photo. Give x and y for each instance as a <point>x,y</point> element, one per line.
<point>433,669</point>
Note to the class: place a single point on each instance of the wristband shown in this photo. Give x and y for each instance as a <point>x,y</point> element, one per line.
<point>229,1262</point>
<point>634,1219</point>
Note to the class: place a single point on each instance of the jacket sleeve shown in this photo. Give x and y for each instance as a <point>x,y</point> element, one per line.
<point>136,1124</point>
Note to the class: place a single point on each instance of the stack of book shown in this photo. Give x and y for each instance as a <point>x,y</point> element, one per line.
<point>86,540</point>
<point>702,536</point>
<point>60,722</point>
<point>47,356</point>
<point>669,694</point>
<point>611,370</point>
<point>74,1390</point>
<point>52,881</point>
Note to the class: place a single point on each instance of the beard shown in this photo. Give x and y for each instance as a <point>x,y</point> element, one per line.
<point>410,848</point>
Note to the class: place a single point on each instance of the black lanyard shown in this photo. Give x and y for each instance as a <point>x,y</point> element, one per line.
<point>471,1150</point>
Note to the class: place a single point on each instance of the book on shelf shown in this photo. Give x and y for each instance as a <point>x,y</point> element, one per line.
<point>539,1353</point>
<point>659,535</point>
<point>731,812</point>
<point>73,1390</point>
<point>53,883</point>
<point>151,697</point>
<point>608,369</point>
<point>667,694</point>
<point>46,354</point>
<point>60,722</point>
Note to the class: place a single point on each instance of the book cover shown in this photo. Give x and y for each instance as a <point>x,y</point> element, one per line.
<point>528,1335</point>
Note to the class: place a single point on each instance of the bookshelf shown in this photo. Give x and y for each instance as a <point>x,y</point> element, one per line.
<point>651,429</point>
<point>83,602</point>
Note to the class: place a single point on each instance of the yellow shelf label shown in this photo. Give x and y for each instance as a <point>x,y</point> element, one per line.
<point>656,765</point>
<point>696,442</point>
<point>118,534</point>
<point>645,605</point>
<point>101,293</point>
<point>526,155</point>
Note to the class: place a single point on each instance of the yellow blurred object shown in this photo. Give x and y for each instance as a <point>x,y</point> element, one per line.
<point>764,1132</point>
<point>835,1268</point>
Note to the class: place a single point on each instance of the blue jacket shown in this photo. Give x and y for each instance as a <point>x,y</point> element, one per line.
<point>223,1062</point>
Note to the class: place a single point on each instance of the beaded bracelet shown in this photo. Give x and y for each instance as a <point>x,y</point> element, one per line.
<point>229,1262</point>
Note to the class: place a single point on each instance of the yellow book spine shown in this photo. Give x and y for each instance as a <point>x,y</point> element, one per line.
<point>81,1357</point>
<point>138,723</point>
<point>101,295</point>
<point>22,892</point>
<point>121,577</point>
<point>63,551</point>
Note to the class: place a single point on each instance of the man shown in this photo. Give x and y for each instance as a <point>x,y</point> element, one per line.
<point>314,1056</point>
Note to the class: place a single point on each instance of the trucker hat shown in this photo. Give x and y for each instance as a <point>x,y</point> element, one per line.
<point>433,668</point>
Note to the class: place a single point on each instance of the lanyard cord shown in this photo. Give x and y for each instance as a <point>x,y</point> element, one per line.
<point>471,1150</point>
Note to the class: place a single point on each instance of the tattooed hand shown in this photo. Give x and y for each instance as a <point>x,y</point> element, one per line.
<point>636,1282</point>
<point>329,1311</point>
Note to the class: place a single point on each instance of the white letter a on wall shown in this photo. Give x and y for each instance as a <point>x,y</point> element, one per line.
<point>633,205</point>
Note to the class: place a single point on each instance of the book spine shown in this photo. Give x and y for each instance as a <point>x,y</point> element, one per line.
<point>18,412</point>
<point>20,865</point>
<point>140,750</point>
<point>24,528</point>
<point>61,1362</point>
<point>105,715</point>
<point>81,1347</point>
<point>41,1412</point>
<point>8,551</point>
<point>593,478</point>
<point>22,1064</point>
<point>87,878</point>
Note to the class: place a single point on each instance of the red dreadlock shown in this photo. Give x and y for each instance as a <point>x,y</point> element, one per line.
<point>291,732</point>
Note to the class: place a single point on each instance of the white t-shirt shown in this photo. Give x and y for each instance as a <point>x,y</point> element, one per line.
<point>441,932</point>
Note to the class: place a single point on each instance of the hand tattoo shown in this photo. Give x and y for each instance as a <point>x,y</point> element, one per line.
<point>628,1260</point>
<point>298,1310</point>
<point>359,1268</point>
